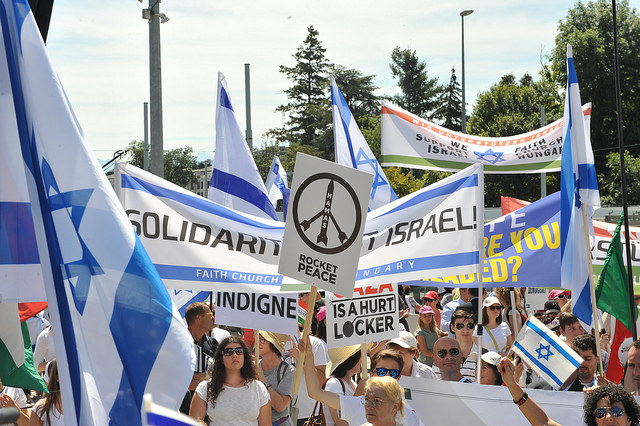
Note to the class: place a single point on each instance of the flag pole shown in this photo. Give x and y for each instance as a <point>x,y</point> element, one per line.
<point>592,288</point>
<point>480,225</point>
<point>623,177</point>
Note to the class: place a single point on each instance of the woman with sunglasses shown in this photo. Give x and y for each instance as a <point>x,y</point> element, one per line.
<point>497,335</point>
<point>426,335</point>
<point>232,395</point>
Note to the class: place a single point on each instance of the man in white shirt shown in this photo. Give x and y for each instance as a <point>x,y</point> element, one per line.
<point>407,346</point>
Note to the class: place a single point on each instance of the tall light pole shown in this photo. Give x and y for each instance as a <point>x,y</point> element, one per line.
<point>463,121</point>
<point>155,18</point>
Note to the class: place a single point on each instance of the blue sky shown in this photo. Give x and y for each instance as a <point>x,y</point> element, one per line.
<point>100,51</point>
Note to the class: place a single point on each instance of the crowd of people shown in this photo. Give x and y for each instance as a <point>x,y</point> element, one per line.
<point>230,385</point>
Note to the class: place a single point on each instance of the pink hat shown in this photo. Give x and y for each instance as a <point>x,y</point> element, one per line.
<point>322,313</point>
<point>555,293</point>
<point>426,310</point>
<point>431,295</point>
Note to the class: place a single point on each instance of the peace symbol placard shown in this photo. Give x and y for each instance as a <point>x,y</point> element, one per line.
<point>323,232</point>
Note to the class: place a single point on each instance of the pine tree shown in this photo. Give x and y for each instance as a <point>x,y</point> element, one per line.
<point>450,111</point>
<point>419,92</point>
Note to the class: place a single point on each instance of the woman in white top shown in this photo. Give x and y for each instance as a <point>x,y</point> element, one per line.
<point>496,335</point>
<point>343,365</point>
<point>48,411</point>
<point>232,395</point>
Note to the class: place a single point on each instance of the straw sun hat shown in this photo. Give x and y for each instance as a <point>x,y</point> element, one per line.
<point>276,339</point>
<point>339,355</point>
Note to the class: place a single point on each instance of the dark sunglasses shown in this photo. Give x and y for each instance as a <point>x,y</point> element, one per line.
<point>453,351</point>
<point>495,308</point>
<point>428,300</point>
<point>230,351</point>
<point>602,411</point>
<point>460,326</point>
<point>381,372</point>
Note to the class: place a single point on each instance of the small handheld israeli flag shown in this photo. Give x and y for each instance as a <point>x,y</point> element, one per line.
<point>277,186</point>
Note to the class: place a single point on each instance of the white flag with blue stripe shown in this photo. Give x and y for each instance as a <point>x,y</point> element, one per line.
<point>118,335</point>
<point>352,150</point>
<point>277,185</point>
<point>235,180</point>
<point>157,415</point>
<point>546,353</point>
<point>579,190</point>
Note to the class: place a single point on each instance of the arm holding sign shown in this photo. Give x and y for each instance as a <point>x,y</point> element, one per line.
<point>315,391</point>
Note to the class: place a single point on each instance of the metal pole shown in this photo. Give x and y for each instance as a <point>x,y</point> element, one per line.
<point>155,90</point>
<point>623,176</point>
<point>145,159</point>
<point>463,121</point>
<point>247,94</point>
<point>543,175</point>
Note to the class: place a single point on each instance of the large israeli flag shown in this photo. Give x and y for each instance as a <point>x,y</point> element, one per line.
<point>235,180</point>
<point>119,334</point>
<point>352,150</point>
<point>277,185</point>
<point>579,191</point>
<point>546,353</point>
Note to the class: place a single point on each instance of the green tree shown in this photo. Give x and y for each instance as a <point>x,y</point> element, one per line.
<point>358,90</point>
<point>308,76</point>
<point>509,108</point>
<point>179,163</point>
<point>419,92</point>
<point>450,110</point>
<point>588,27</point>
<point>610,177</point>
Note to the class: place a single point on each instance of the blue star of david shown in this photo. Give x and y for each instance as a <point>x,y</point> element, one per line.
<point>379,179</point>
<point>497,156</point>
<point>542,355</point>
<point>177,292</point>
<point>80,270</point>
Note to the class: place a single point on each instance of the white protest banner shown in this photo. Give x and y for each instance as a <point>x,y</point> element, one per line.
<point>276,312</point>
<point>410,141</point>
<point>440,402</point>
<point>200,245</point>
<point>365,318</point>
<point>323,232</point>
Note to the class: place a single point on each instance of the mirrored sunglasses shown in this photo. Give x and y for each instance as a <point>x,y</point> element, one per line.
<point>602,411</point>
<point>453,351</point>
<point>381,372</point>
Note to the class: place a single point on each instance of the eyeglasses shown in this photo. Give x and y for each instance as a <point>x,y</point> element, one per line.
<point>261,339</point>
<point>381,372</point>
<point>495,307</point>
<point>375,402</point>
<point>460,326</point>
<point>560,296</point>
<point>453,351</point>
<point>209,314</point>
<point>602,411</point>
<point>231,351</point>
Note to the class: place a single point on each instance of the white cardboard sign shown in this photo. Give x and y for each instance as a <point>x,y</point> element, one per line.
<point>323,233</point>
<point>276,312</point>
<point>370,316</point>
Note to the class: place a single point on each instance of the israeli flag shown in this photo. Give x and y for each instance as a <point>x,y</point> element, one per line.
<point>157,415</point>
<point>183,298</point>
<point>119,334</point>
<point>578,196</point>
<point>235,180</point>
<point>546,353</point>
<point>277,185</point>
<point>352,150</point>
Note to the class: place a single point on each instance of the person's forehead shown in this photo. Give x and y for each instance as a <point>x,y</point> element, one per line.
<point>374,391</point>
<point>233,345</point>
<point>388,363</point>
<point>586,353</point>
<point>462,320</point>
<point>633,353</point>
<point>446,344</point>
<point>603,402</point>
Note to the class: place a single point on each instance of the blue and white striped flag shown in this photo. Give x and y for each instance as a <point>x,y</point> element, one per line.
<point>157,415</point>
<point>546,353</point>
<point>277,186</point>
<point>352,150</point>
<point>183,298</point>
<point>119,334</point>
<point>578,191</point>
<point>235,180</point>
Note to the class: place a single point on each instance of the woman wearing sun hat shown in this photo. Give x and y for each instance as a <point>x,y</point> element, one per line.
<point>277,375</point>
<point>343,364</point>
<point>497,334</point>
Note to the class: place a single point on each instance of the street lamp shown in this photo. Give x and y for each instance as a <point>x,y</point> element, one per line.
<point>463,122</point>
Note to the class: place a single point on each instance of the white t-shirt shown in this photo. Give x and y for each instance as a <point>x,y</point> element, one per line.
<point>320,357</point>
<point>219,334</point>
<point>421,370</point>
<point>44,351</point>
<point>352,411</point>
<point>236,406</point>
<point>56,418</point>
<point>17,395</point>
<point>499,333</point>
<point>333,385</point>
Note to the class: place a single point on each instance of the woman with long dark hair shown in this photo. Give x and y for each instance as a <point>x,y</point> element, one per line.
<point>48,411</point>
<point>497,335</point>
<point>343,365</point>
<point>232,394</point>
